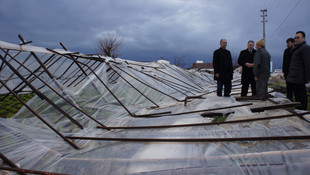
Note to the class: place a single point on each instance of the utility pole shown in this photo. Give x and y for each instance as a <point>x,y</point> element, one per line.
<point>264,20</point>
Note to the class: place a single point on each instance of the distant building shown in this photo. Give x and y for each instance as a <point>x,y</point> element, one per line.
<point>201,65</point>
<point>278,71</point>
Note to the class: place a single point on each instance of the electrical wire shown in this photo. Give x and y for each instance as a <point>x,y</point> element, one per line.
<point>287,16</point>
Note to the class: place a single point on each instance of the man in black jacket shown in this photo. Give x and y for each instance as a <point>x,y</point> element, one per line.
<point>287,55</point>
<point>223,69</point>
<point>246,59</point>
<point>299,71</point>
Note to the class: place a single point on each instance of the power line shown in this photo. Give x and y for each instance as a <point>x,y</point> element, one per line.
<point>288,15</point>
<point>264,4</point>
<point>271,10</point>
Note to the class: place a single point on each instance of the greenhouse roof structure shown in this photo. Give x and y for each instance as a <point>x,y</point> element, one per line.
<point>99,115</point>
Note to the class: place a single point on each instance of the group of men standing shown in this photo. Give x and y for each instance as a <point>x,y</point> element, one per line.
<point>256,68</point>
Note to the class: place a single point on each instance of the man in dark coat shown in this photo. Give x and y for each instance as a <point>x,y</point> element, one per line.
<point>299,71</point>
<point>246,59</point>
<point>287,55</point>
<point>223,69</point>
<point>261,68</point>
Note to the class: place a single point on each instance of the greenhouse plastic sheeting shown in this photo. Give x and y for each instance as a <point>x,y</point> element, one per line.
<point>32,145</point>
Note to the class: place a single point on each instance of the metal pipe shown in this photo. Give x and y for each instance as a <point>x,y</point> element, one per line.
<point>193,139</point>
<point>68,101</point>
<point>102,84</point>
<point>149,85</point>
<point>133,86</point>
<point>173,85</point>
<point>9,162</point>
<point>207,124</point>
<point>12,57</point>
<point>2,64</point>
<point>161,82</point>
<point>19,170</point>
<point>186,76</point>
<point>45,122</point>
<point>171,82</point>
<point>177,79</point>
<point>83,72</point>
<point>289,110</point>
<point>42,96</point>
<point>87,74</point>
<point>203,110</point>
<point>16,69</point>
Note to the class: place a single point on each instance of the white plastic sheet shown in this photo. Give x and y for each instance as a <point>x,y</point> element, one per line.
<point>32,145</point>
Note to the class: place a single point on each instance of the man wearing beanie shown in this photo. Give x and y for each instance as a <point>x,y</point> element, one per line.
<point>223,69</point>
<point>261,68</point>
<point>299,70</point>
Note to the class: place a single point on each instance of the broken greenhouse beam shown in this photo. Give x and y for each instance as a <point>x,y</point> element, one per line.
<point>23,41</point>
<point>42,96</point>
<point>132,85</point>
<point>117,99</point>
<point>29,76</point>
<point>175,86</point>
<point>63,46</point>
<point>45,122</point>
<point>161,81</point>
<point>249,98</point>
<point>197,111</point>
<point>192,97</point>
<point>23,171</point>
<point>82,79</point>
<point>18,68</point>
<point>289,110</point>
<point>186,76</point>
<point>208,124</point>
<point>9,162</point>
<point>278,106</point>
<point>69,101</point>
<point>197,89</point>
<point>81,68</point>
<point>149,85</point>
<point>304,137</point>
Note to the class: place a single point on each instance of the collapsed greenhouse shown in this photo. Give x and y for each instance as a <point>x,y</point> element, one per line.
<point>99,115</point>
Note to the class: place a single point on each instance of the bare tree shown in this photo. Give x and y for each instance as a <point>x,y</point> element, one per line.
<point>109,45</point>
<point>179,60</point>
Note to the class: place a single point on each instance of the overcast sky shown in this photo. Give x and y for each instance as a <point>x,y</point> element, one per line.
<point>151,29</point>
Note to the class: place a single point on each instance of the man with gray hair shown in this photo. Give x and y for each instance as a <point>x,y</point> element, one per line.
<point>261,68</point>
<point>223,69</point>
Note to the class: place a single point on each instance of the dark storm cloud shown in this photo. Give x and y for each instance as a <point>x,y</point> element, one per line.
<point>154,28</point>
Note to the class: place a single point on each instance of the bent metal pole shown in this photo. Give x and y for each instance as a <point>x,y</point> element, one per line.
<point>149,85</point>
<point>117,99</point>
<point>20,170</point>
<point>208,124</point>
<point>45,122</point>
<point>9,162</point>
<point>68,101</point>
<point>234,139</point>
<point>42,96</point>
<point>132,85</point>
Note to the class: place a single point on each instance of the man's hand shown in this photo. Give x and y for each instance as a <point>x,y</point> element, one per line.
<point>256,78</point>
<point>217,75</point>
<point>249,64</point>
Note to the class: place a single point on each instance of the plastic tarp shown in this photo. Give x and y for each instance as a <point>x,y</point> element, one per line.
<point>30,144</point>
